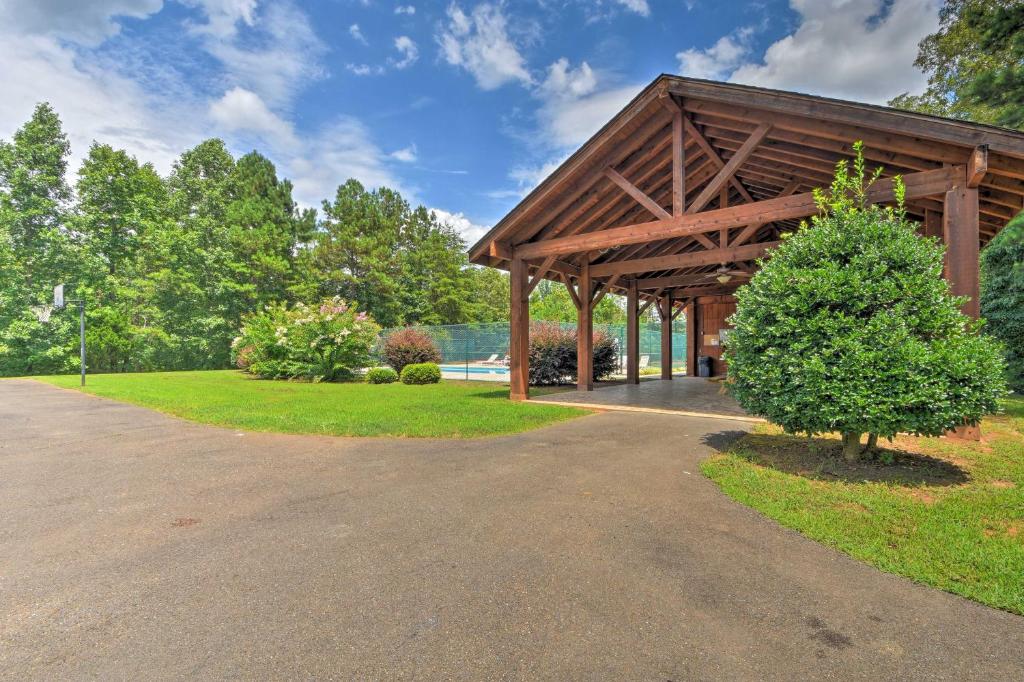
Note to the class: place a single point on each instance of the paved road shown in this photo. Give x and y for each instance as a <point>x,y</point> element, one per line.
<point>136,546</point>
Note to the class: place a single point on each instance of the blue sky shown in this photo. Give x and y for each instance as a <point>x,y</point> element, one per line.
<point>462,106</point>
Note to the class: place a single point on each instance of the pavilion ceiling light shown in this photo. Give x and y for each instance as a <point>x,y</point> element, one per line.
<point>724,278</point>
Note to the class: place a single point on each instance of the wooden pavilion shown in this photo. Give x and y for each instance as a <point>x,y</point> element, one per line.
<point>672,201</point>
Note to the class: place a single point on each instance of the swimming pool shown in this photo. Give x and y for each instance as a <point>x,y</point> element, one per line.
<point>474,369</point>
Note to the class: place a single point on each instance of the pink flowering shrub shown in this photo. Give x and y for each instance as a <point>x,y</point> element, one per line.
<point>328,341</point>
<point>409,346</point>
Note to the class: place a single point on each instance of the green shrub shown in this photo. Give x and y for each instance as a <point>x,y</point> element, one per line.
<point>381,375</point>
<point>1002,296</point>
<point>325,342</point>
<point>553,355</point>
<point>421,373</point>
<point>850,327</point>
<point>409,346</point>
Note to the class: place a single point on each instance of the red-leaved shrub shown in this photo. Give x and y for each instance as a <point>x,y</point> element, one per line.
<point>409,346</point>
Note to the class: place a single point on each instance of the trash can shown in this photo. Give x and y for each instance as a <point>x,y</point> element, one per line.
<point>704,366</point>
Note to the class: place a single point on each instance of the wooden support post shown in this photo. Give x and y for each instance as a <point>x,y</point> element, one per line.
<point>519,331</point>
<point>585,331</point>
<point>632,333</point>
<point>691,338</point>
<point>666,335</point>
<point>960,229</point>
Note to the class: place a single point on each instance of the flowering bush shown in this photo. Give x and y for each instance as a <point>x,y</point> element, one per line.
<point>553,355</point>
<point>325,342</point>
<point>409,346</point>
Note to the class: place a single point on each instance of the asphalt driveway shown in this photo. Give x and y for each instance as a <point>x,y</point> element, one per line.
<point>138,546</point>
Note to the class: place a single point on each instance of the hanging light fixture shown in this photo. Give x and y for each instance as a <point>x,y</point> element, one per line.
<point>724,277</point>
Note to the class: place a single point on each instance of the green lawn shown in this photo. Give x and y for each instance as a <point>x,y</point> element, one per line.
<point>941,512</point>
<point>451,409</point>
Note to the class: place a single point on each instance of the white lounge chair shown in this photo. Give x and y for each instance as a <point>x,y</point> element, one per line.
<point>645,360</point>
<point>493,360</point>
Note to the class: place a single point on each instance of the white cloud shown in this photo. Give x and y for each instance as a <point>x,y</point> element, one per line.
<point>408,10</point>
<point>357,34</point>
<point>719,60</point>
<point>528,177</point>
<point>365,69</point>
<point>241,110</point>
<point>481,44</point>
<point>223,16</point>
<point>405,155</point>
<point>407,48</point>
<point>639,6</point>
<point>570,122</point>
<point>565,82</point>
<point>469,230</point>
<point>85,23</point>
<point>862,50</point>
<point>281,60</point>
<point>94,101</point>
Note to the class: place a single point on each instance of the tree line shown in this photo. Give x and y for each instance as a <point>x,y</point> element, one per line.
<point>170,265</point>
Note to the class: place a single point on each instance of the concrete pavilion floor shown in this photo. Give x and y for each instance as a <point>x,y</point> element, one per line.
<point>682,395</point>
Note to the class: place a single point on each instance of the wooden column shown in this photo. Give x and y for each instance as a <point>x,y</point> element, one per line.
<point>666,335</point>
<point>960,231</point>
<point>691,338</point>
<point>585,331</point>
<point>519,331</point>
<point>678,164</point>
<point>632,333</point>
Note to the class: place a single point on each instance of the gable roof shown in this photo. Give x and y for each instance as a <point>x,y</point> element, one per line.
<point>806,137</point>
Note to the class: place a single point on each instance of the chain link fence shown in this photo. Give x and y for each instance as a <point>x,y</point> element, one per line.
<point>480,351</point>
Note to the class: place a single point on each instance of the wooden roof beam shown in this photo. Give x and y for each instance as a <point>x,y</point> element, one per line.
<point>925,183</point>
<point>682,260</point>
<point>702,142</point>
<point>728,171</point>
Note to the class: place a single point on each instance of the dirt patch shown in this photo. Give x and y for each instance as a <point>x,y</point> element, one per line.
<point>855,507</point>
<point>821,459</point>
<point>1002,484</point>
<point>923,496</point>
<point>184,521</point>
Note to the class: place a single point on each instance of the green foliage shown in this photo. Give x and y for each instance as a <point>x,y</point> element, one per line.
<point>326,342</point>
<point>409,346</point>
<point>850,327</point>
<point>1002,296</point>
<point>381,375</point>
<point>975,64</point>
<point>553,355</point>
<point>551,302</point>
<point>421,373</point>
<point>169,266</point>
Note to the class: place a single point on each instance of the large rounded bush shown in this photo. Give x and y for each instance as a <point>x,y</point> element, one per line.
<point>408,346</point>
<point>422,373</point>
<point>324,342</point>
<point>381,375</point>
<point>850,327</point>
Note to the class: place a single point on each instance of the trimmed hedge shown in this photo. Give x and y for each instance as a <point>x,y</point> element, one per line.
<point>381,375</point>
<point>421,373</point>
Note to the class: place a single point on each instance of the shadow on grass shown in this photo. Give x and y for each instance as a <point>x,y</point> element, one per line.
<point>821,459</point>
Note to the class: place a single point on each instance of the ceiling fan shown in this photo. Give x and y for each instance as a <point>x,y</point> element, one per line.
<point>725,274</point>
